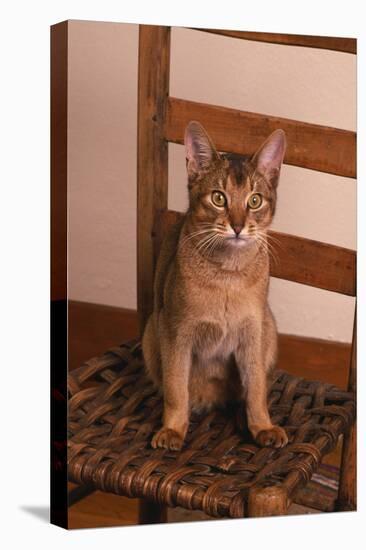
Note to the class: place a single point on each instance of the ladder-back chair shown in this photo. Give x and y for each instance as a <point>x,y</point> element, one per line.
<point>113,409</point>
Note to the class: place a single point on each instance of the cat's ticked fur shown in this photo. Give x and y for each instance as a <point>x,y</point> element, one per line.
<point>212,337</point>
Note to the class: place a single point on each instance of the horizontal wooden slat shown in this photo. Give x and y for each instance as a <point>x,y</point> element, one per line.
<point>311,146</point>
<point>315,359</point>
<point>93,328</point>
<point>297,259</point>
<point>348,45</point>
<point>314,263</point>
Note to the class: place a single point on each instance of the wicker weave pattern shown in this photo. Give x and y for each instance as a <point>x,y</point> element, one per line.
<point>114,410</point>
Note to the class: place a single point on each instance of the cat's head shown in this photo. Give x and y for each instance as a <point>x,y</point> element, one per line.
<point>232,197</point>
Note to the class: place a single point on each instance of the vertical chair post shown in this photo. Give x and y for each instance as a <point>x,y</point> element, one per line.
<point>347,497</point>
<point>152,512</point>
<point>152,179</point>
<point>152,153</point>
<point>267,501</point>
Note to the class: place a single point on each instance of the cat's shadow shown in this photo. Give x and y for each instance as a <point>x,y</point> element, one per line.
<point>40,512</point>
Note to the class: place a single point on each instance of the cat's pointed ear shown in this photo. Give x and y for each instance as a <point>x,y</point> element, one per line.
<point>269,157</point>
<point>200,151</point>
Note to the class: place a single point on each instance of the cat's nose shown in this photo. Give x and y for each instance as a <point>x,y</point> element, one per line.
<point>237,228</point>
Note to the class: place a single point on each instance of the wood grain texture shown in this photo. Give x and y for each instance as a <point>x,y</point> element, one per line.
<point>94,328</point>
<point>59,68</point>
<point>313,263</point>
<point>297,259</point>
<point>320,148</point>
<point>267,501</point>
<point>315,359</point>
<point>347,45</point>
<point>102,509</point>
<point>107,510</point>
<point>152,152</point>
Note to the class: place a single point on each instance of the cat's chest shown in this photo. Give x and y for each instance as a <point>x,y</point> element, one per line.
<point>229,301</point>
<point>222,316</point>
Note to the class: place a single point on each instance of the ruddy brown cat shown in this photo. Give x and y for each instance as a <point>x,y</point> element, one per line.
<point>212,337</point>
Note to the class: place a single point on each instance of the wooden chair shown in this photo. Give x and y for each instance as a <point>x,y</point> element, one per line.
<point>113,409</point>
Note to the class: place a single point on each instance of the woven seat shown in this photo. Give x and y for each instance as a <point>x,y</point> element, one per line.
<point>114,410</point>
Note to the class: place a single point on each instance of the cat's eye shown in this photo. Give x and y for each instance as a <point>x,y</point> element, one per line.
<point>255,201</point>
<point>218,198</point>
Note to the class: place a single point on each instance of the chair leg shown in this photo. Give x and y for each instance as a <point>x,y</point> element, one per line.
<point>152,512</point>
<point>79,493</point>
<point>267,501</point>
<point>347,497</point>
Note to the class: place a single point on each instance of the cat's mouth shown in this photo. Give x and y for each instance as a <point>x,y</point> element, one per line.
<point>238,240</point>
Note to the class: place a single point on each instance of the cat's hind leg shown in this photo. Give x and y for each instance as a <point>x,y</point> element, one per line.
<point>213,383</point>
<point>151,352</point>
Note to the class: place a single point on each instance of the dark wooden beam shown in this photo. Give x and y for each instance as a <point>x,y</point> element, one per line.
<point>93,328</point>
<point>347,45</point>
<point>59,57</point>
<point>321,148</point>
<point>313,263</point>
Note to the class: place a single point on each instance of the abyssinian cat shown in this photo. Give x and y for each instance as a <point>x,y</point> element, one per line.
<point>212,337</point>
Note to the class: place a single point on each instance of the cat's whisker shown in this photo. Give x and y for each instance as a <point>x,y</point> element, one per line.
<point>218,240</point>
<point>210,243</point>
<point>263,241</point>
<point>269,247</point>
<point>214,226</point>
<point>208,224</point>
<point>213,240</point>
<point>204,228</point>
<point>204,242</point>
<point>194,234</point>
<point>257,244</point>
<point>208,248</point>
<point>276,241</point>
<point>273,256</point>
<point>198,231</point>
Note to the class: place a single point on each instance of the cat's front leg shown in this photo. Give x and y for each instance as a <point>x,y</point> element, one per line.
<point>265,433</point>
<point>176,363</point>
<point>253,374</point>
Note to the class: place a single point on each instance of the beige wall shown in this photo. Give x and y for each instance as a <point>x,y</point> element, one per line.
<point>301,83</point>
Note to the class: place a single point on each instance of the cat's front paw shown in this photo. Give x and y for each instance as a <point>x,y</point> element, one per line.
<point>273,437</point>
<point>167,438</point>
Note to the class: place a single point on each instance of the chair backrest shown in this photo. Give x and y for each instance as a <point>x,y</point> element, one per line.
<point>162,119</point>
